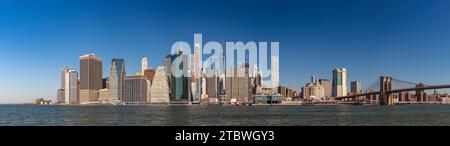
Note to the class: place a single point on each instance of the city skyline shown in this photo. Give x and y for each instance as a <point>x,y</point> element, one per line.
<point>41,40</point>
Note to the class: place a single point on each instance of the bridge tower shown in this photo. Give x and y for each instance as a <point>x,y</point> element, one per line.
<point>386,85</point>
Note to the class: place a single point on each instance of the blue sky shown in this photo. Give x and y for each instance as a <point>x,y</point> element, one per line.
<point>407,39</point>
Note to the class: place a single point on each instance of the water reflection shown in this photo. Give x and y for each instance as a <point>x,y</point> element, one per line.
<point>183,115</point>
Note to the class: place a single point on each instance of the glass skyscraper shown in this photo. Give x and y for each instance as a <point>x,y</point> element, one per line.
<point>117,79</point>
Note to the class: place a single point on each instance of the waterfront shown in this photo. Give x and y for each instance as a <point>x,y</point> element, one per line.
<point>196,115</point>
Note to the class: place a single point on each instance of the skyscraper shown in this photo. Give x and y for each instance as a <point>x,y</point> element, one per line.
<point>61,97</point>
<point>71,90</point>
<point>197,74</point>
<point>117,80</point>
<point>327,87</point>
<point>144,65</point>
<point>180,92</point>
<point>168,64</point>
<point>339,87</point>
<point>90,78</point>
<point>238,88</point>
<point>160,87</point>
<point>355,87</point>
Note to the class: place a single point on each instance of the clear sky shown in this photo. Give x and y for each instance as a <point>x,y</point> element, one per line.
<point>407,39</point>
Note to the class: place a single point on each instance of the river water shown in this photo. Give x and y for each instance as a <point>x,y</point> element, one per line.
<point>197,115</point>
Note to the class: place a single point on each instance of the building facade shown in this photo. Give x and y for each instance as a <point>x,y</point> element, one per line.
<point>327,87</point>
<point>355,87</point>
<point>117,80</point>
<point>71,90</point>
<point>90,78</point>
<point>313,90</point>
<point>237,87</point>
<point>339,87</point>
<point>180,85</point>
<point>135,90</point>
<point>160,87</point>
<point>144,64</point>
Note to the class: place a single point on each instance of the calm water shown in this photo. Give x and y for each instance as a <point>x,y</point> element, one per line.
<point>225,115</point>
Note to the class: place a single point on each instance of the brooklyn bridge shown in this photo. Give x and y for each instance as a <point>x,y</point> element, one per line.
<point>386,89</point>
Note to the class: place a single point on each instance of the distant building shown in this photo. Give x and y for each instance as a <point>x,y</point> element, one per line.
<point>135,90</point>
<point>68,93</point>
<point>327,87</point>
<point>313,90</point>
<point>160,87</point>
<point>144,64</point>
<point>103,96</point>
<point>238,88</point>
<point>180,86</point>
<point>149,74</point>
<point>339,87</point>
<point>355,87</point>
<point>42,101</point>
<point>213,86</point>
<point>60,96</point>
<point>90,78</point>
<point>71,91</point>
<point>286,92</point>
<point>117,80</point>
<point>105,83</point>
<point>168,64</point>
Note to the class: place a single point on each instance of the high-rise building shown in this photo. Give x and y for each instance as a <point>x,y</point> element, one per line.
<point>160,87</point>
<point>135,90</point>
<point>212,85</point>
<point>144,64</point>
<point>355,87</point>
<point>117,80</point>
<point>68,93</point>
<point>168,64</point>
<point>238,88</point>
<point>71,90</point>
<point>180,91</point>
<point>196,84</point>
<point>90,78</point>
<point>327,87</point>
<point>339,87</point>
<point>64,71</point>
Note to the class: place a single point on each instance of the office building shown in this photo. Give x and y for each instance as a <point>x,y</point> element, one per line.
<point>339,87</point>
<point>60,96</point>
<point>71,90</point>
<point>144,64</point>
<point>117,80</point>
<point>238,88</point>
<point>180,86</point>
<point>313,90</point>
<point>327,87</point>
<point>135,90</point>
<point>355,87</point>
<point>90,78</point>
<point>160,87</point>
